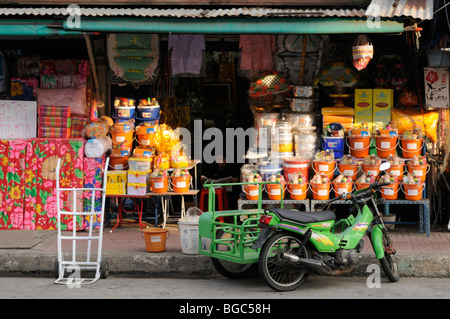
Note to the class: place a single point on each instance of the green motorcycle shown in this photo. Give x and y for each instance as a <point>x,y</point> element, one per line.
<point>293,243</point>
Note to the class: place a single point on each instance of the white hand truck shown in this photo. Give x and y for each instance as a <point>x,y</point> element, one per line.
<point>73,266</point>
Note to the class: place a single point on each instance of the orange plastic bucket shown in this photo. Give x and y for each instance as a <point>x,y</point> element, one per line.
<point>413,191</point>
<point>118,163</point>
<point>371,169</point>
<point>181,184</point>
<point>360,186</point>
<point>359,146</point>
<point>298,191</point>
<point>349,170</point>
<point>275,191</point>
<point>326,168</point>
<point>389,191</point>
<point>252,191</point>
<point>397,170</point>
<point>159,184</point>
<point>340,188</point>
<point>155,239</point>
<point>125,126</point>
<point>386,145</point>
<point>125,139</point>
<point>293,166</point>
<point>411,147</point>
<point>321,191</point>
<point>145,139</point>
<point>419,170</point>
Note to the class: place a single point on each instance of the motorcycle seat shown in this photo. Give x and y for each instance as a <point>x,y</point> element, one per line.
<point>304,217</point>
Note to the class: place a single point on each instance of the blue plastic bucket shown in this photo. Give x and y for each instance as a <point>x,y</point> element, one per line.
<point>149,113</point>
<point>124,111</point>
<point>334,143</point>
<point>267,169</point>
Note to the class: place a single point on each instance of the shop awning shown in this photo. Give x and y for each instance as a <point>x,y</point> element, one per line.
<point>30,28</point>
<point>238,26</point>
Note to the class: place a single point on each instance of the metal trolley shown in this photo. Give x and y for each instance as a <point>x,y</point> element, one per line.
<point>74,266</point>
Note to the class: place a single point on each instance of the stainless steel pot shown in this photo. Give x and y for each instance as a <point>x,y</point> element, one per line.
<point>303,91</point>
<point>302,105</point>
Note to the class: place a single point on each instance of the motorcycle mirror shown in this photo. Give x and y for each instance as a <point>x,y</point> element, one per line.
<point>385,166</point>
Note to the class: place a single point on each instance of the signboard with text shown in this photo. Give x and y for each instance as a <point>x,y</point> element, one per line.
<point>18,119</point>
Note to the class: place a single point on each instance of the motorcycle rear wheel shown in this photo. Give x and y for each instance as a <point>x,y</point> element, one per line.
<point>280,274</point>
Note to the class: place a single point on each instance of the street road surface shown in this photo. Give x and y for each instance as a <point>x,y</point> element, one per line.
<point>315,287</point>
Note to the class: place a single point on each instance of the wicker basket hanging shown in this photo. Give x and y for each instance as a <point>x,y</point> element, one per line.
<point>362,52</point>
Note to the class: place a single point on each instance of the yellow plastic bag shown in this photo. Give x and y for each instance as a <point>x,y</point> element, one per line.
<point>408,119</point>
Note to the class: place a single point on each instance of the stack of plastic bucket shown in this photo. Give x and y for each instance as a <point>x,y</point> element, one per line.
<point>122,135</point>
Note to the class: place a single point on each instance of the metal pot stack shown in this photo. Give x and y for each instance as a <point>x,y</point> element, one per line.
<point>305,121</point>
<point>303,100</point>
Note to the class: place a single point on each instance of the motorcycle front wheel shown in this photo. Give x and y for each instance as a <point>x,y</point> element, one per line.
<point>388,262</point>
<point>278,273</point>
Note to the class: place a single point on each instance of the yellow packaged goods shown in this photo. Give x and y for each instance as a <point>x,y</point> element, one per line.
<point>162,161</point>
<point>363,107</point>
<point>116,182</point>
<point>409,119</point>
<point>383,102</point>
<point>179,160</point>
<point>117,176</point>
<point>115,188</point>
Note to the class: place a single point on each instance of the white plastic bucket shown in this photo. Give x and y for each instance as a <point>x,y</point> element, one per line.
<point>189,236</point>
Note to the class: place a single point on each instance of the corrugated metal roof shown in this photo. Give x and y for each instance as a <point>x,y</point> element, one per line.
<point>419,9</point>
<point>184,12</point>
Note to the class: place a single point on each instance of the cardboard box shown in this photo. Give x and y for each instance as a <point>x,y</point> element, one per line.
<point>383,102</point>
<point>363,107</point>
<point>436,87</point>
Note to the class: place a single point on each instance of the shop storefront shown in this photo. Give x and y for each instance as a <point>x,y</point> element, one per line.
<point>316,85</point>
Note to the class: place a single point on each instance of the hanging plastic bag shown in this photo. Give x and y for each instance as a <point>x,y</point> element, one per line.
<point>362,52</point>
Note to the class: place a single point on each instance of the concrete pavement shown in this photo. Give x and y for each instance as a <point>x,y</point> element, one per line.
<point>33,252</point>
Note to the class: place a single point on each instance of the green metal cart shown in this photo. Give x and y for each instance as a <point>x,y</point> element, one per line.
<point>227,236</point>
